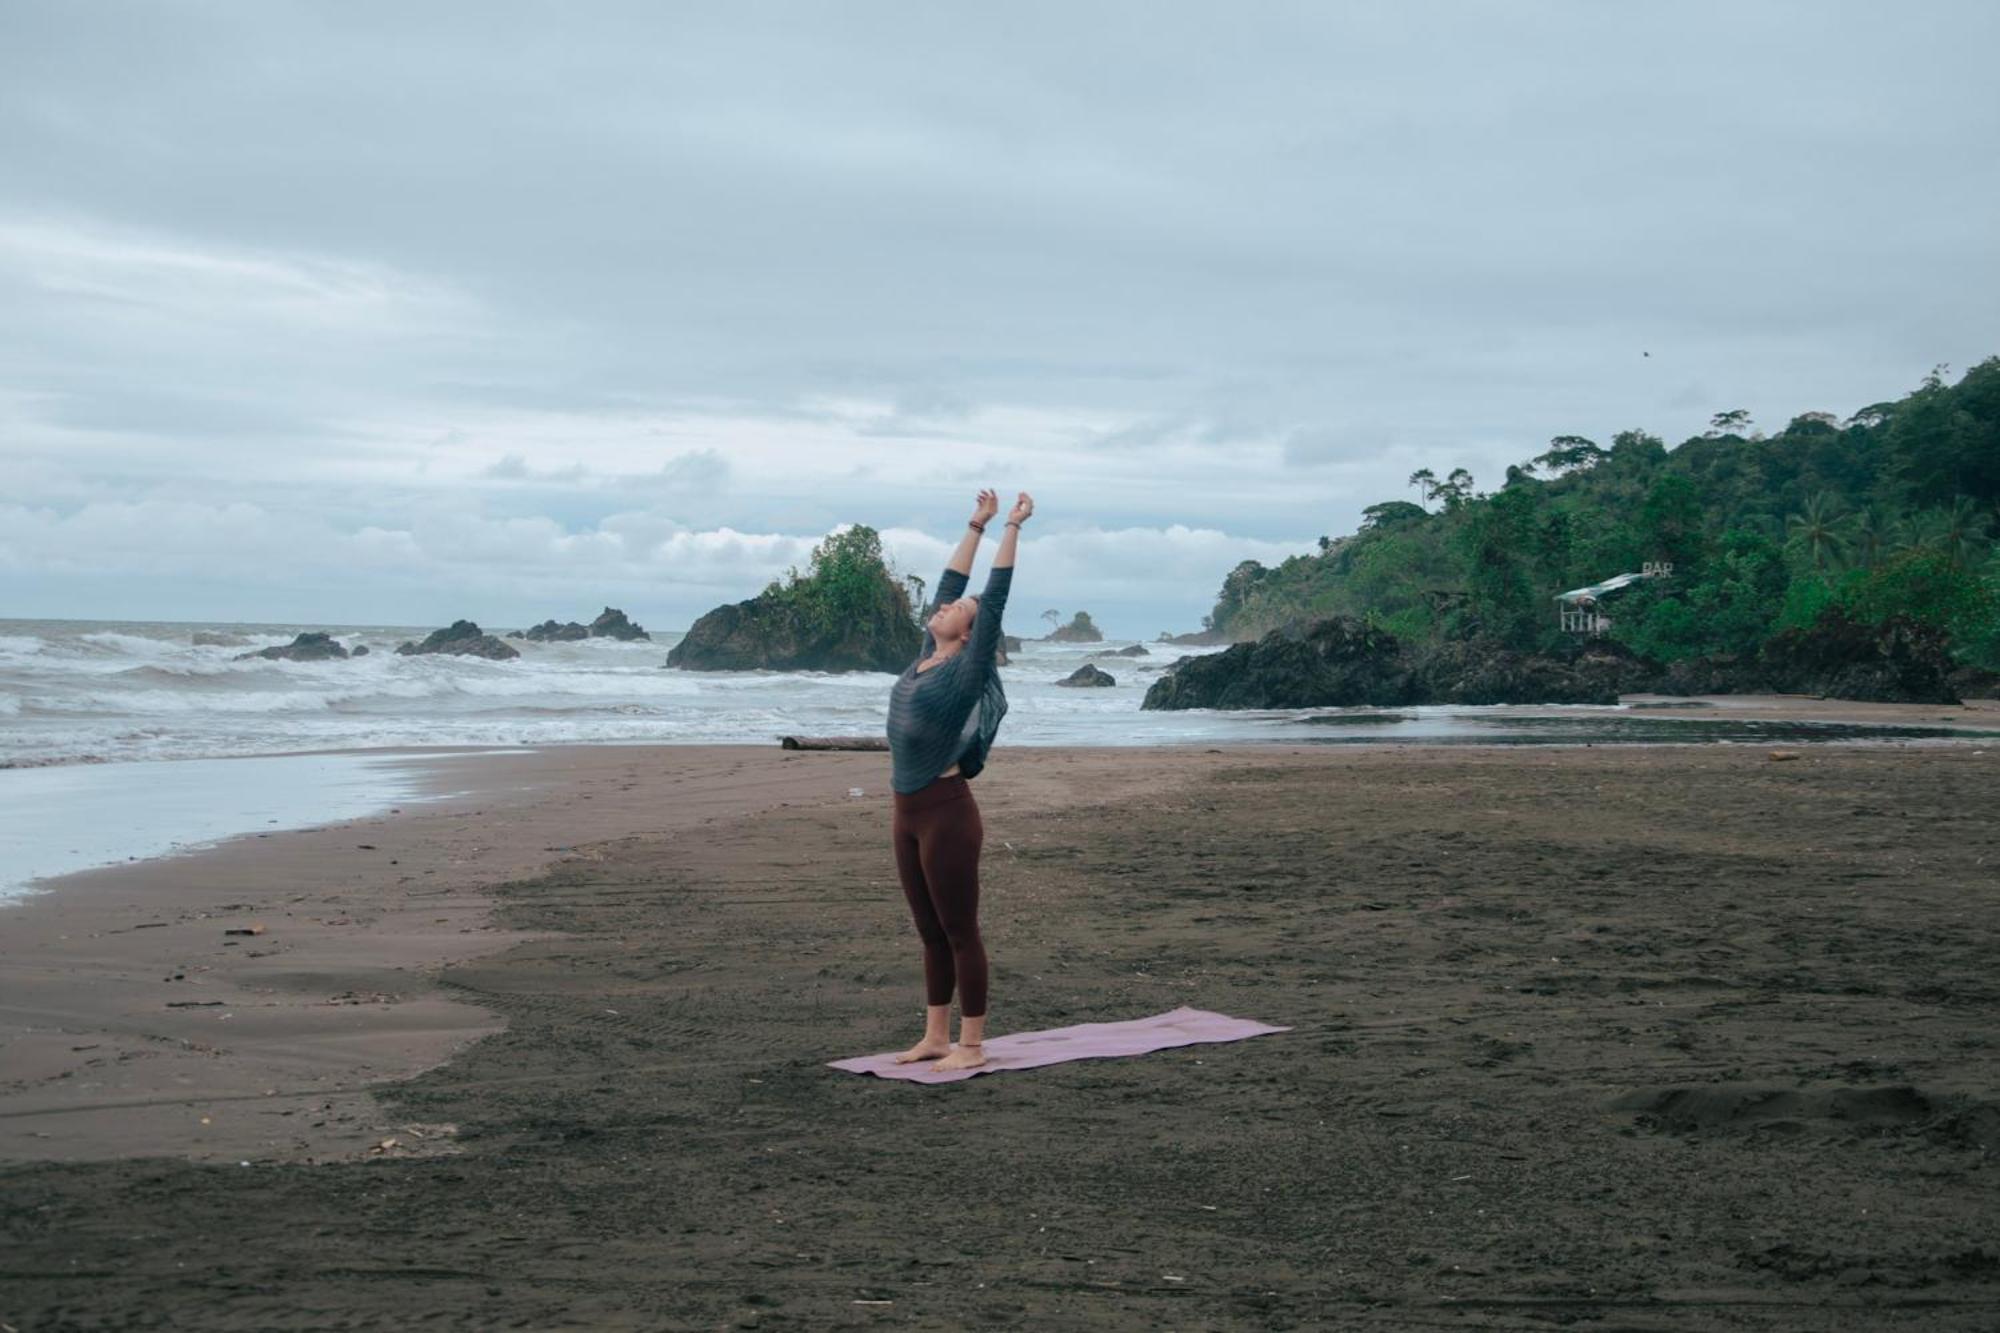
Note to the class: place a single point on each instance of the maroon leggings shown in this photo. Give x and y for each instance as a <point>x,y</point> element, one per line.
<point>938,834</point>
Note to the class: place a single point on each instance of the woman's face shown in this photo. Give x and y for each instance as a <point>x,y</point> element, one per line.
<point>954,620</point>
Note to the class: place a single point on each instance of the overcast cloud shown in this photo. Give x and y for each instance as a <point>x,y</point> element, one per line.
<point>391,312</point>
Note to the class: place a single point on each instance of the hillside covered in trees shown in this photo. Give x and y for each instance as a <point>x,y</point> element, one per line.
<point>1882,521</point>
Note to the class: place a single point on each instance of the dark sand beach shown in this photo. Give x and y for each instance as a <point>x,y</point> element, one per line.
<point>1619,1037</point>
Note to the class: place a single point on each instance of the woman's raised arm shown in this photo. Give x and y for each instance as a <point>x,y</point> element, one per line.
<point>993,602</point>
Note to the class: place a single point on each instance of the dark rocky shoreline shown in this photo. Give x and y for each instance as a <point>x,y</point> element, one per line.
<point>1339,662</point>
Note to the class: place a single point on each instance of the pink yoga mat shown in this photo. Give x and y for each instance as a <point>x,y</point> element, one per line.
<point>1084,1041</point>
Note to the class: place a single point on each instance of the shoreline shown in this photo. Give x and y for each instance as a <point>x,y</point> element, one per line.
<point>1967,714</point>
<point>129,1019</point>
<point>1668,1033</point>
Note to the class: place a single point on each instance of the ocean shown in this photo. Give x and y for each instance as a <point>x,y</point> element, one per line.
<point>90,709</point>
<point>97,691</point>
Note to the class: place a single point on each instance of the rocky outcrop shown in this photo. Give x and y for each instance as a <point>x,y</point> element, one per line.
<point>551,631</point>
<point>1079,630</point>
<point>1897,661</point>
<point>1133,650</point>
<point>313,647</point>
<point>462,639</point>
<point>1971,682</point>
<point>757,634</point>
<point>844,614</point>
<point>1334,663</point>
<point>1203,638</point>
<point>1341,663</point>
<point>360,650</point>
<point>1086,675</point>
<point>1477,672</point>
<point>612,624</point>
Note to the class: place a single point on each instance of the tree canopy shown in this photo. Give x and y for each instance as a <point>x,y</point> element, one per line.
<point>1895,507</point>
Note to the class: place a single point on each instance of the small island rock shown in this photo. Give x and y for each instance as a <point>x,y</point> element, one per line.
<point>1079,630</point>
<point>1086,675</point>
<point>612,624</point>
<point>462,639</point>
<point>310,647</point>
<point>844,614</point>
<point>550,631</point>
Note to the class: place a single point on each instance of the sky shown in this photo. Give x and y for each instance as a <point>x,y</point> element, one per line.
<point>390,313</point>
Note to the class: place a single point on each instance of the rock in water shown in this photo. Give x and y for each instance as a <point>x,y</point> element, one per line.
<point>1132,650</point>
<point>758,635</point>
<point>1079,630</point>
<point>313,647</point>
<point>1087,675</point>
<point>551,632</point>
<point>845,614</point>
<point>463,639</point>
<point>360,650</point>
<point>1333,663</point>
<point>612,624</point>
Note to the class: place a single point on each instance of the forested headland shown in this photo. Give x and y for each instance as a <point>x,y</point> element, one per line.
<point>1830,531</point>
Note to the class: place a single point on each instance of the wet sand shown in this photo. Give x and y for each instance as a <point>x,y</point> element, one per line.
<point>1631,1037</point>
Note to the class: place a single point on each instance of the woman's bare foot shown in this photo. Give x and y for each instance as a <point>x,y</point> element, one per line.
<point>927,1049</point>
<point>961,1057</point>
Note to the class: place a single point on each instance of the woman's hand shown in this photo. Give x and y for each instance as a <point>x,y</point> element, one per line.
<point>986,506</point>
<point>1023,507</point>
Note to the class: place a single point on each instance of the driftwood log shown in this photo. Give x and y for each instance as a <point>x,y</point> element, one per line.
<point>834,742</point>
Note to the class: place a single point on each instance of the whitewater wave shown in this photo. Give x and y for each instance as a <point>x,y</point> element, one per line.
<point>73,692</point>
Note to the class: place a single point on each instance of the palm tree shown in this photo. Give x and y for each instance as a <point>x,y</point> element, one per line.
<point>1869,540</point>
<point>1820,527</point>
<point>1916,532</point>
<point>1959,527</point>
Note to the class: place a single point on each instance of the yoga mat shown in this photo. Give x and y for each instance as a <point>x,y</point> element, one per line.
<point>1083,1041</point>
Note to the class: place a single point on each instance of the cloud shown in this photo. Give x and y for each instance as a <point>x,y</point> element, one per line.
<point>492,281</point>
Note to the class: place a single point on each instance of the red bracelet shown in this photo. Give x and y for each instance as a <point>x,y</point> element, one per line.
<point>976,527</point>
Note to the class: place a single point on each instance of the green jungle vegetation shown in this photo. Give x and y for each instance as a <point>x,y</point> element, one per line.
<point>846,583</point>
<point>1889,513</point>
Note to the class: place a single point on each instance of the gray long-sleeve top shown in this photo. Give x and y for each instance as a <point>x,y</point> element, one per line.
<point>950,713</point>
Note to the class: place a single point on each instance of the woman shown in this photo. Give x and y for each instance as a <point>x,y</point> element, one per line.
<point>943,712</point>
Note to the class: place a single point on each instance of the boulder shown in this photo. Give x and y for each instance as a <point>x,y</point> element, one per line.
<point>1133,650</point>
<point>612,624</point>
<point>312,647</point>
<point>1079,630</point>
<point>463,639</point>
<point>360,650</point>
<point>1338,662</point>
<point>549,631</point>
<point>1087,675</point>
